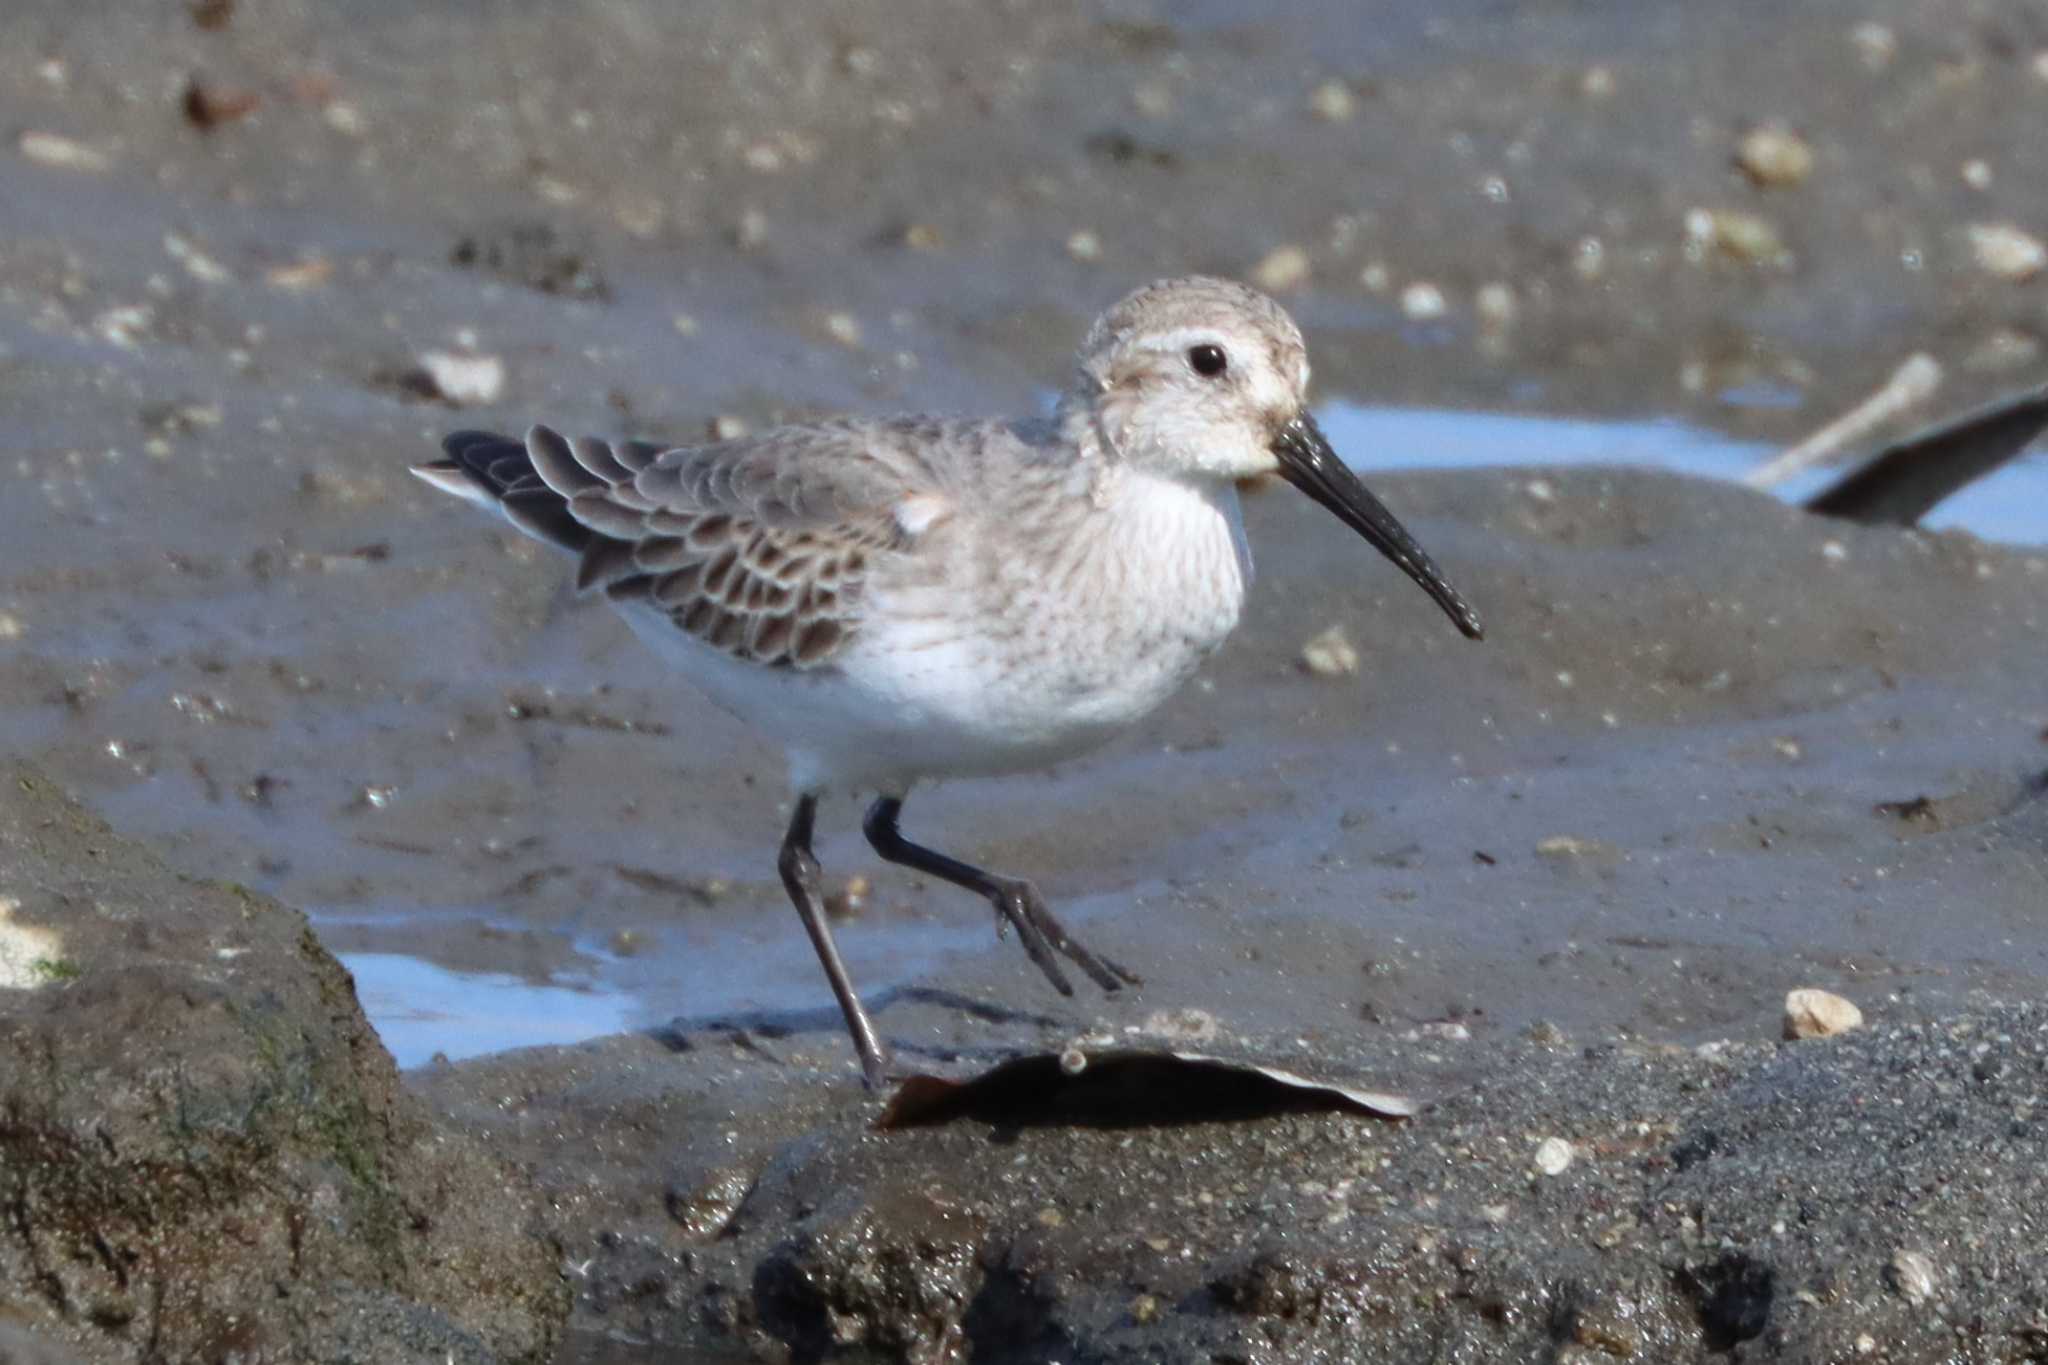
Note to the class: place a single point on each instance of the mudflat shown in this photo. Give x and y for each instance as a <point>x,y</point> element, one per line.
<point>1555,886</point>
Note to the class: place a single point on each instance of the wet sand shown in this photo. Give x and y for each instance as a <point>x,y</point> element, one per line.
<point>1678,779</point>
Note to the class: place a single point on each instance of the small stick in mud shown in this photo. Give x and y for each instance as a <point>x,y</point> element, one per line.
<point>1912,384</point>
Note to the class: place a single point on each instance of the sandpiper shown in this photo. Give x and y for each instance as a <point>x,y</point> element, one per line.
<point>908,599</point>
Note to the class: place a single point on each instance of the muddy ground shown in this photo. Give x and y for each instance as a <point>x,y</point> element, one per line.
<point>1523,880</point>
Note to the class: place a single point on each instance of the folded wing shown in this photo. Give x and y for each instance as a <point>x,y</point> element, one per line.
<point>759,548</point>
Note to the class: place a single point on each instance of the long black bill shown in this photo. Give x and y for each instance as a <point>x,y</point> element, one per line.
<point>1307,462</point>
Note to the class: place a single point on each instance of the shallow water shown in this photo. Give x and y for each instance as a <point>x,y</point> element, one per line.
<point>2010,506</point>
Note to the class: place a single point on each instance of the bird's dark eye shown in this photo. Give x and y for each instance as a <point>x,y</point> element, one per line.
<point>1208,360</point>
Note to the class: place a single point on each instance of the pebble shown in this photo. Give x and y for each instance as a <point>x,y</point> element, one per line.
<point>1330,654</point>
<point>1912,1274</point>
<point>751,231</point>
<point>1442,1030</point>
<point>208,107</point>
<point>706,1211</point>
<point>26,951</point>
<point>344,118</point>
<point>1976,173</point>
<point>10,626</point>
<point>1145,1309</point>
<point>1332,102</point>
<point>1495,305</point>
<point>464,380</point>
<point>1554,1155</point>
<point>1612,1335</point>
<point>197,263</point>
<point>1285,268</point>
<point>1597,83</point>
<point>1571,846</point>
<point>1422,301</point>
<point>2005,348</point>
<point>1746,237</point>
<point>124,325</point>
<point>844,328</point>
<point>850,900</point>
<point>1875,44</point>
<point>1181,1025</point>
<point>1811,1013</point>
<point>307,274</point>
<point>1085,246</point>
<point>1589,258</point>
<point>1774,157</point>
<point>728,427</point>
<point>2006,251</point>
<point>1152,99</point>
<point>54,149</point>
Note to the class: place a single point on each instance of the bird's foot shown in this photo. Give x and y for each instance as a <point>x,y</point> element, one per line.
<point>1018,903</point>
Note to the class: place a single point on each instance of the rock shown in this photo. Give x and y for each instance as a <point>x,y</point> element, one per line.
<point>1330,654</point>
<point>1745,237</point>
<point>464,380</point>
<point>308,273</point>
<point>1813,1013</point>
<point>705,1211</point>
<point>54,149</point>
<point>843,328</point>
<point>1084,246</point>
<point>1875,43</point>
<point>1774,157</point>
<point>1569,847</point>
<point>2006,251</point>
<point>207,1151</point>
<point>893,1272</point>
<point>1181,1026</point>
<point>1495,304</point>
<point>1911,1273</point>
<point>1553,1156</point>
<point>1422,301</point>
<point>1332,102</point>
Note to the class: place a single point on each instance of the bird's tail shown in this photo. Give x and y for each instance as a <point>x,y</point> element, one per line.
<point>497,474</point>
<point>530,482</point>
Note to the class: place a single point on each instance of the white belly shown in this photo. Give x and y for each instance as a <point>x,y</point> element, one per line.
<point>979,665</point>
<point>1029,663</point>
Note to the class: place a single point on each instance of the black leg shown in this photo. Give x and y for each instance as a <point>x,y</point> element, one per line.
<point>1018,902</point>
<point>799,868</point>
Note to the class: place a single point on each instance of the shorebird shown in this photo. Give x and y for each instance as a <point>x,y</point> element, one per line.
<point>918,598</point>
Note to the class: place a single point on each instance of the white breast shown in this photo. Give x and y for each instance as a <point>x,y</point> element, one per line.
<point>1028,649</point>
